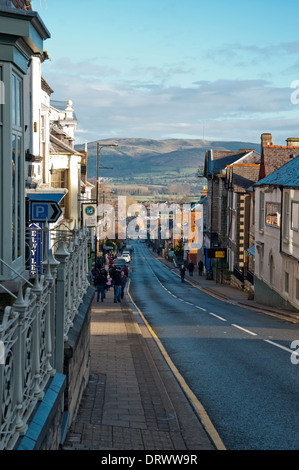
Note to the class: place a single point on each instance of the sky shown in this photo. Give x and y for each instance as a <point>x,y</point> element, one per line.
<point>160,69</point>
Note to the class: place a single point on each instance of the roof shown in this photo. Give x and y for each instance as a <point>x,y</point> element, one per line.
<point>59,147</point>
<point>243,173</point>
<point>244,176</point>
<point>61,106</point>
<point>218,160</point>
<point>286,175</point>
<point>274,156</point>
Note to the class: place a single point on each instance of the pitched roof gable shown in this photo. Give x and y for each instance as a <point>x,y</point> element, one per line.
<point>285,175</point>
<point>274,156</point>
<point>218,160</point>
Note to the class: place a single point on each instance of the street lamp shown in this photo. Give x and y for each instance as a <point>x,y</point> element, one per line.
<point>99,147</point>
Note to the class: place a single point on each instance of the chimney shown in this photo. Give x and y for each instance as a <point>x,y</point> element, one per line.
<point>293,142</point>
<point>266,139</point>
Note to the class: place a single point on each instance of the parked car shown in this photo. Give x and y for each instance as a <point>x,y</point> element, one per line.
<point>126,257</point>
<point>119,263</point>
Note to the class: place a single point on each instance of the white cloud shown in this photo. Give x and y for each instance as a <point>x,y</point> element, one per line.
<point>107,106</point>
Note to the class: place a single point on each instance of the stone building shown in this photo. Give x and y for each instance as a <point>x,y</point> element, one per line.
<point>22,36</point>
<point>277,236</point>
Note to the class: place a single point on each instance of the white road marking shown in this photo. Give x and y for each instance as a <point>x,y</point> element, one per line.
<point>279,346</point>
<point>217,316</point>
<point>246,331</point>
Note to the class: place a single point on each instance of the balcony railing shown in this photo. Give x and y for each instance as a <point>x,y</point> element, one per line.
<point>33,331</point>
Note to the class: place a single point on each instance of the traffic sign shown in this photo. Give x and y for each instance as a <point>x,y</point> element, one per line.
<point>42,211</point>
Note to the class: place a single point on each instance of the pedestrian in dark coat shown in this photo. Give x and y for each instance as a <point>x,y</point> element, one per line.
<point>182,272</point>
<point>190,268</point>
<point>100,283</point>
<point>123,283</point>
<point>116,279</point>
<point>200,267</point>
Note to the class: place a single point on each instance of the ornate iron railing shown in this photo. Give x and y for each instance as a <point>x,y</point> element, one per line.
<point>34,329</point>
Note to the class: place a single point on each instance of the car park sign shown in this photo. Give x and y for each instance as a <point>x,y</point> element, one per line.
<point>44,211</point>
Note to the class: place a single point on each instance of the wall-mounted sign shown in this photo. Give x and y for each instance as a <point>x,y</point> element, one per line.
<point>216,253</point>
<point>42,211</point>
<point>89,215</point>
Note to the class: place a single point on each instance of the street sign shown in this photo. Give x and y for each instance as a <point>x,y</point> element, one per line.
<point>89,215</point>
<point>216,253</point>
<point>42,211</point>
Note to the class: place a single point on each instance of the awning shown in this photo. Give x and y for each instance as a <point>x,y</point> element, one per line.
<point>251,251</point>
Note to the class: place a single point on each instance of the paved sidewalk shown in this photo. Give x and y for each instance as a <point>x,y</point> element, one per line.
<point>132,400</point>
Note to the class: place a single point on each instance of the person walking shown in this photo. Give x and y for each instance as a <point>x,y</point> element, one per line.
<point>123,284</point>
<point>100,283</point>
<point>200,267</point>
<point>190,268</point>
<point>182,272</point>
<point>117,285</point>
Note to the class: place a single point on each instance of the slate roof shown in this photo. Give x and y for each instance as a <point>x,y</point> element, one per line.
<point>218,160</point>
<point>244,176</point>
<point>57,146</point>
<point>61,106</point>
<point>274,156</point>
<point>286,175</point>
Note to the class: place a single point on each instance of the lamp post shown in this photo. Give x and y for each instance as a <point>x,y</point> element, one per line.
<point>99,147</point>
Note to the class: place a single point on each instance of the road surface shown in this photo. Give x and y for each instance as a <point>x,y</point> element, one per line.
<point>236,361</point>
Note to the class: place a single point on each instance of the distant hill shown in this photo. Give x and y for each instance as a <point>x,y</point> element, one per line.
<point>136,157</point>
<point>155,170</point>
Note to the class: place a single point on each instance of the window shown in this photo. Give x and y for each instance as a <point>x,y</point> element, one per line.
<point>286,216</point>
<point>17,166</point>
<point>58,179</point>
<point>273,214</point>
<point>297,289</point>
<point>262,211</point>
<point>271,267</point>
<point>295,216</point>
<point>43,136</point>
<point>286,282</point>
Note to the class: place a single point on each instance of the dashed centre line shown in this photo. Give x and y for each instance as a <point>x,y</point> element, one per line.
<point>217,316</point>
<point>244,329</point>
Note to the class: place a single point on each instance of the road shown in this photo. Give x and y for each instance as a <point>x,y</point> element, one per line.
<point>235,360</point>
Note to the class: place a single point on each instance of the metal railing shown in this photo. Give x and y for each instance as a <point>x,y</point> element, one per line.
<point>34,329</point>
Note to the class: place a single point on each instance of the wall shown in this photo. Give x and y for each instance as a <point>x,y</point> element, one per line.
<point>53,416</point>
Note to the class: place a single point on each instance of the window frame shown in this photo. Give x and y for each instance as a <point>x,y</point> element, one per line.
<point>271,215</point>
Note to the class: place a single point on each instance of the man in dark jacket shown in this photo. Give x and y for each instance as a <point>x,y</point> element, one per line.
<point>100,283</point>
<point>190,268</point>
<point>116,279</point>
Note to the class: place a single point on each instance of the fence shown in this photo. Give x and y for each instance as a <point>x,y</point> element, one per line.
<point>33,330</point>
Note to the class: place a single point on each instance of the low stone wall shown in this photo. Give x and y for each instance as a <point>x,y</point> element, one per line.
<point>54,414</point>
<point>77,357</point>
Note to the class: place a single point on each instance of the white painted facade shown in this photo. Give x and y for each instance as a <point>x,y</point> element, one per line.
<point>277,245</point>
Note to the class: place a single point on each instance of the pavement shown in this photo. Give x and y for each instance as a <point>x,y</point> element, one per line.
<point>132,401</point>
<point>135,399</point>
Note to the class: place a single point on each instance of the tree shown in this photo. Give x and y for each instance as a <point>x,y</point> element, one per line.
<point>179,249</point>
